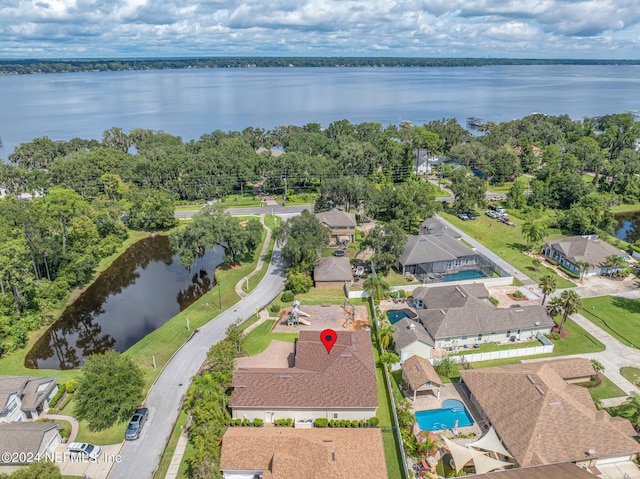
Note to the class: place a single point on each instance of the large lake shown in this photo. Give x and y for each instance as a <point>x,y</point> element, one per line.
<point>144,288</point>
<point>192,102</point>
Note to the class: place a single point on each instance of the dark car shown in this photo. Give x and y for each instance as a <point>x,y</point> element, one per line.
<point>471,215</point>
<point>135,424</point>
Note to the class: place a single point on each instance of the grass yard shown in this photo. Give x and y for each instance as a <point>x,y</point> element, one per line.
<point>393,278</point>
<point>626,208</point>
<point>163,467</point>
<point>488,347</point>
<point>620,317</point>
<point>323,296</point>
<point>259,339</point>
<point>606,390</point>
<point>506,242</point>
<point>631,374</point>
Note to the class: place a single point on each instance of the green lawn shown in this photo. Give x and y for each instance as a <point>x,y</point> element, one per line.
<point>163,467</point>
<point>258,340</point>
<point>631,374</point>
<point>488,347</point>
<point>620,317</point>
<point>626,208</point>
<point>322,296</point>
<point>606,390</point>
<point>393,278</point>
<point>507,242</point>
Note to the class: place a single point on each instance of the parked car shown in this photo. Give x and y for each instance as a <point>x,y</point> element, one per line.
<point>359,272</point>
<point>135,424</point>
<point>463,216</point>
<point>491,214</point>
<point>83,449</point>
<point>471,215</point>
<point>339,252</point>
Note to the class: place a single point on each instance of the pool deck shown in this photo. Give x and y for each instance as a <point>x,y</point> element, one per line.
<point>427,401</point>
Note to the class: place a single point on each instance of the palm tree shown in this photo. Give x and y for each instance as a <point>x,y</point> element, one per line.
<point>548,285</point>
<point>533,233</point>
<point>385,334</point>
<point>554,308</point>
<point>583,267</point>
<point>630,409</point>
<point>571,303</point>
<point>376,287</point>
<point>615,263</point>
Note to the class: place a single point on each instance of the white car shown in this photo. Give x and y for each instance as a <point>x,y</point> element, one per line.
<point>83,449</point>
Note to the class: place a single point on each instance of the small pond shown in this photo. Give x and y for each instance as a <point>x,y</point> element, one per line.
<point>628,227</point>
<point>144,288</point>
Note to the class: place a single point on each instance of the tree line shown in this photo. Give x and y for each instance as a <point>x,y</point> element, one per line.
<point>26,66</point>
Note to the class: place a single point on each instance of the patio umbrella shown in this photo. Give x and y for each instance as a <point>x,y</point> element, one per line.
<point>484,464</point>
<point>461,454</point>
<point>491,442</point>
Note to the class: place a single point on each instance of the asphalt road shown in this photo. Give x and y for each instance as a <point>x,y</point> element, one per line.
<point>140,458</point>
<point>262,210</point>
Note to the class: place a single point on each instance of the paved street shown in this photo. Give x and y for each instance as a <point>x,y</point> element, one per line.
<point>141,458</point>
<point>261,210</point>
<point>489,254</point>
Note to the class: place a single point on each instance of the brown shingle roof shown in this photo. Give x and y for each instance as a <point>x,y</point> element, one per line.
<point>345,378</point>
<point>337,219</point>
<point>540,418</point>
<point>287,453</point>
<point>565,470</point>
<point>418,371</point>
<point>332,269</point>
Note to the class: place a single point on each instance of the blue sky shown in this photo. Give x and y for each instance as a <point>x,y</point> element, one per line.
<point>590,29</point>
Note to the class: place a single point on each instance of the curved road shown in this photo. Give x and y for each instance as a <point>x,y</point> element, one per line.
<point>141,458</point>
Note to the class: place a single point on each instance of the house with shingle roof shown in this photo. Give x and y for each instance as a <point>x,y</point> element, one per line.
<point>573,250</point>
<point>419,375</point>
<point>543,419</point>
<point>454,317</point>
<point>25,397</point>
<point>342,226</point>
<point>332,272</point>
<point>564,470</point>
<point>287,453</point>
<point>336,385</point>
<point>23,442</point>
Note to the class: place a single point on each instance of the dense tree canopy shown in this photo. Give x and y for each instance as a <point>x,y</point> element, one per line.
<point>109,390</point>
<point>303,238</point>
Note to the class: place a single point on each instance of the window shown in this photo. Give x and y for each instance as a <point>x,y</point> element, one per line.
<point>463,338</point>
<point>13,405</point>
<point>458,262</point>
<point>335,415</point>
<point>480,337</point>
<point>449,265</point>
<point>508,333</point>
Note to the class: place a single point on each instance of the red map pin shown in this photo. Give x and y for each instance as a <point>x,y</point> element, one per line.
<point>328,338</point>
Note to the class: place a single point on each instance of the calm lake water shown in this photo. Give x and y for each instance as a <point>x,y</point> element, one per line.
<point>628,228</point>
<point>190,103</point>
<point>143,289</point>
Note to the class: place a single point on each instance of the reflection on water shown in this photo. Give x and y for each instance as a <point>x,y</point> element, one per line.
<point>628,228</point>
<point>143,289</point>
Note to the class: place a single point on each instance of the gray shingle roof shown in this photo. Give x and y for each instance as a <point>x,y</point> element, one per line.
<point>476,316</point>
<point>345,378</point>
<point>336,218</point>
<point>432,226</point>
<point>438,297</point>
<point>408,332</point>
<point>432,248</point>
<point>332,269</point>
<point>585,248</point>
<point>24,436</point>
<point>26,387</point>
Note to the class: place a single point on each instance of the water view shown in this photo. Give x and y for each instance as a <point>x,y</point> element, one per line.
<point>628,227</point>
<point>143,289</point>
<point>192,102</point>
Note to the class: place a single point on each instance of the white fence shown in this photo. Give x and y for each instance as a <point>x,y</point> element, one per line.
<point>504,353</point>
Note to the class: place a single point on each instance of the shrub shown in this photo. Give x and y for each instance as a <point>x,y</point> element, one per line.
<point>360,423</point>
<point>517,294</point>
<point>594,383</point>
<point>65,432</point>
<point>257,422</point>
<point>355,423</point>
<point>332,423</point>
<point>321,422</point>
<point>66,401</point>
<point>275,308</point>
<point>287,296</point>
<point>288,422</point>
<point>554,336</point>
<point>401,293</point>
<point>493,300</point>
<point>246,422</point>
<point>237,422</point>
<point>345,423</point>
<point>373,422</point>
<point>62,388</point>
<point>71,386</point>
<point>298,283</point>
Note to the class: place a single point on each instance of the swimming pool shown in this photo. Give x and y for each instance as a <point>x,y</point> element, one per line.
<point>444,418</point>
<point>466,274</point>
<point>395,315</point>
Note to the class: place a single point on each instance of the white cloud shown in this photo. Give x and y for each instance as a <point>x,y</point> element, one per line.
<point>471,28</point>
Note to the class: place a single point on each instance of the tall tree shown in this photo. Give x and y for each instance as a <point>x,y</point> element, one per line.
<point>109,390</point>
<point>303,238</point>
<point>630,409</point>
<point>388,242</point>
<point>376,287</point>
<point>533,233</point>
<point>547,285</point>
<point>571,303</point>
<point>63,205</point>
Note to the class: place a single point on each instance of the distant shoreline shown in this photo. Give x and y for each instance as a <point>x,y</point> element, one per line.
<point>40,66</point>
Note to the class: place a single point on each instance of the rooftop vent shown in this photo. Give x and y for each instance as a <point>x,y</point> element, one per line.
<point>418,367</point>
<point>327,440</point>
<point>537,323</point>
<point>353,343</point>
<point>346,355</point>
<point>530,378</point>
<point>591,452</point>
<point>333,456</point>
<point>555,404</point>
<point>540,390</point>
<point>519,310</point>
<point>412,326</point>
<point>284,376</point>
<point>442,311</point>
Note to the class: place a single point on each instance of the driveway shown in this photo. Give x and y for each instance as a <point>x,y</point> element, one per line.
<point>166,395</point>
<point>98,469</point>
